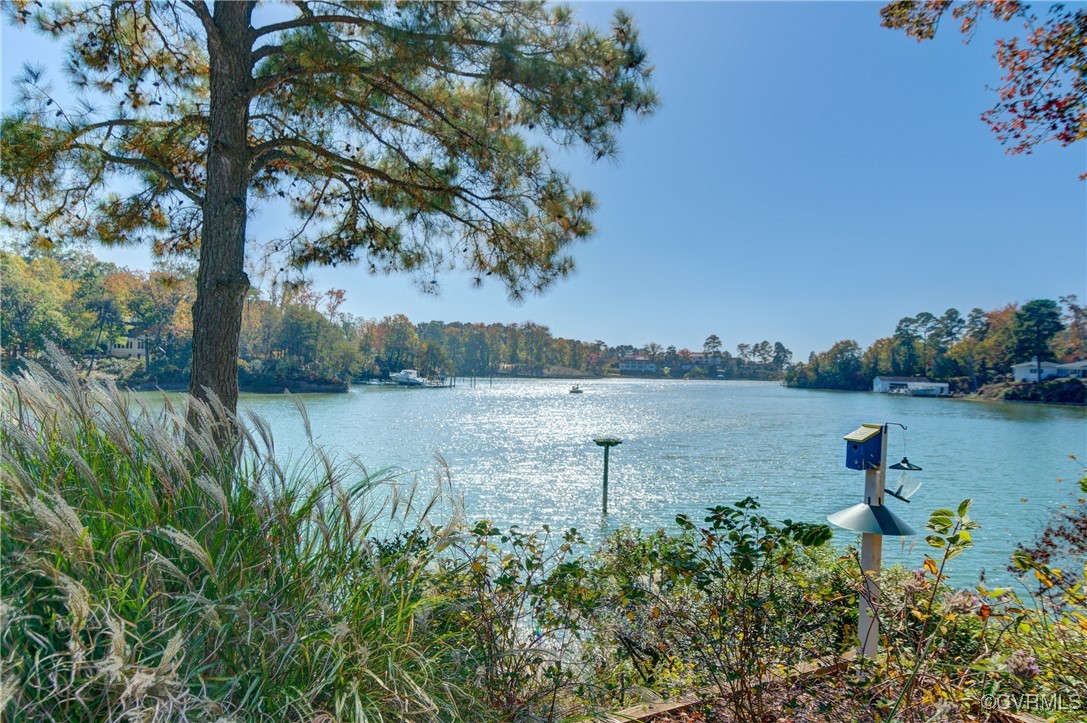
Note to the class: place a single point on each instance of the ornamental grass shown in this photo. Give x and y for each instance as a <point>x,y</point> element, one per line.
<point>149,579</point>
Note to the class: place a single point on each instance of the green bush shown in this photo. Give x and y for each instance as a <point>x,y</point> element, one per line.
<point>524,601</point>
<point>721,606</point>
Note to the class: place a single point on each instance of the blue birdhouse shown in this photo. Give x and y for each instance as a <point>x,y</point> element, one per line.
<point>863,447</point>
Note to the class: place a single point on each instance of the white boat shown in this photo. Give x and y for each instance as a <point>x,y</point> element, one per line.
<point>576,389</point>
<point>408,378</point>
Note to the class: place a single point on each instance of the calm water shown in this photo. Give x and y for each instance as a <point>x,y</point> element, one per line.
<point>521,452</point>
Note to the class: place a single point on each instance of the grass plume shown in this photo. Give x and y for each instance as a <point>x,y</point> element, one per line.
<point>151,580</point>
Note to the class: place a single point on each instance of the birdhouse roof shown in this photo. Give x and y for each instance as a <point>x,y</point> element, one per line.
<point>862,434</point>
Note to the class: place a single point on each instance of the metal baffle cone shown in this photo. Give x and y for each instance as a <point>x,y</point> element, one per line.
<point>873,519</point>
<point>906,465</point>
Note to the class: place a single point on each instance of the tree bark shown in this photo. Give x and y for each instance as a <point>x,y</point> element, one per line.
<point>221,279</point>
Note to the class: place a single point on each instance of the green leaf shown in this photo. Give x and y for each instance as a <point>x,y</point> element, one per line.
<point>956,550</point>
<point>964,506</point>
<point>942,525</point>
<point>936,541</point>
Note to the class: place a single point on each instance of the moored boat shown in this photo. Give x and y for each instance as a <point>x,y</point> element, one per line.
<point>408,378</point>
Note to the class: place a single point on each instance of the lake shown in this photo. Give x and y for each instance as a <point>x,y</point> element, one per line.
<point>521,452</point>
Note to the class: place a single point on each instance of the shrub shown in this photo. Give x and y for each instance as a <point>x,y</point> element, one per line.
<point>722,606</point>
<point>524,601</point>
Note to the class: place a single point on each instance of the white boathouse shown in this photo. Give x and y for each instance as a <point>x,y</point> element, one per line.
<point>913,386</point>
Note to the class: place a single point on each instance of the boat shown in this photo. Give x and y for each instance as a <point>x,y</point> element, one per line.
<point>576,389</point>
<point>407,378</point>
<point>925,391</point>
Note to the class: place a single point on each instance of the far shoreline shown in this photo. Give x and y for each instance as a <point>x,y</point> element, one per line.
<point>308,387</point>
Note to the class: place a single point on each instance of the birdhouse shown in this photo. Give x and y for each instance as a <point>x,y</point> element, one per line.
<point>863,447</point>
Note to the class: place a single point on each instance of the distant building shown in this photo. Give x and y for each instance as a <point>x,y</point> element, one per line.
<point>708,361</point>
<point>637,365</point>
<point>1029,371</point>
<point>913,386</point>
<point>754,366</point>
<point>128,347</point>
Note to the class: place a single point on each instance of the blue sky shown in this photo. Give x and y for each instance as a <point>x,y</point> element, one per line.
<point>809,177</point>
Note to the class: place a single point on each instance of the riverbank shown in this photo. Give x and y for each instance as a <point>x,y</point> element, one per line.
<point>270,386</point>
<point>1053,391</point>
<point>1063,392</point>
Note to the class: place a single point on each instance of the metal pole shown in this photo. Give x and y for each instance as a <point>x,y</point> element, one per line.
<point>872,557</point>
<point>607,443</point>
<point>607,449</point>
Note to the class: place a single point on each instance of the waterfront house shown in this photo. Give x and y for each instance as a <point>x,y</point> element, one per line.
<point>710,361</point>
<point>1034,370</point>
<point>133,345</point>
<point>913,386</point>
<point>637,365</point>
<point>127,347</point>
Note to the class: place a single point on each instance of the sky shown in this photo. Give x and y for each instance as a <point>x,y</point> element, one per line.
<point>809,177</point>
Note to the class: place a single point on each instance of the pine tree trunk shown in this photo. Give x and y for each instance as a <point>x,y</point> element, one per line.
<point>221,280</point>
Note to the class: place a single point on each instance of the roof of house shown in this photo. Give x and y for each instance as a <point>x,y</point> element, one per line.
<point>903,379</point>
<point>1047,364</point>
<point>1081,364</point>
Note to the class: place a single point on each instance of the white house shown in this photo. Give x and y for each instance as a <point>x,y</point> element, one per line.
<point>1029,371</point>
<point>699,359</point>
<point>637,365</point>
<point>127,347</point>
<point>913,386</point>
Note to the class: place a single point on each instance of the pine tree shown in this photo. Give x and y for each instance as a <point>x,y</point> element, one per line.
<point>404,136</point>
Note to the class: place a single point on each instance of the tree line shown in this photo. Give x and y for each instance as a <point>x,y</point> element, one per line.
<point>291,332</point>
<point>966,352</point>
<point>295,332</point>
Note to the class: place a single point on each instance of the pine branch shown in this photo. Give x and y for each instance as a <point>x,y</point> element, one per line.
<point>145,164</point>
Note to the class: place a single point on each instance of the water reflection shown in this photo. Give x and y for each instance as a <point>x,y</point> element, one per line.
<point>521,452</point>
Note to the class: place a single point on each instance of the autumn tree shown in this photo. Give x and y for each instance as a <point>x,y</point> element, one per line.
<point>400,343</point>
<point>1043,92</point>
<point>840,367</point>
<point>404,136</point>
<point>1070,344</point>
<point>877,359</point>
<point>33,298</point>
<point>977,324</point>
